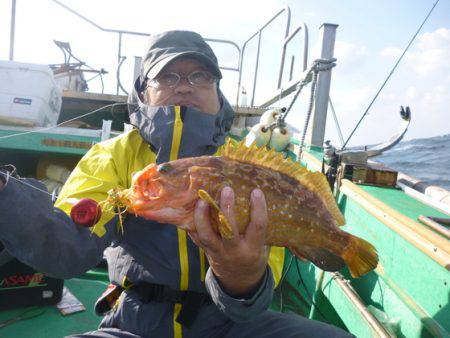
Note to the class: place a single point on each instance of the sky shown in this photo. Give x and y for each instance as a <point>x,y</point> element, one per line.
<point>370,37</point>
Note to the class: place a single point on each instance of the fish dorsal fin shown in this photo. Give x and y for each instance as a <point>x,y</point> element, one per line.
<point>313,181</point>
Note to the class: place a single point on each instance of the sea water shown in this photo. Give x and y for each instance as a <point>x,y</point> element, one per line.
<point>427,159</point>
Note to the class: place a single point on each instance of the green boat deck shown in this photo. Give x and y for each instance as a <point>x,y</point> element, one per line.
<point>51,323</point>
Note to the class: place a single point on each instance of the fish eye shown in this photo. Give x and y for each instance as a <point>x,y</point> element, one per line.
<point>164,168</point>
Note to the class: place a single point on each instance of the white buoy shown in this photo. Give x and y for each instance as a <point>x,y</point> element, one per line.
<point>258,134</point>
<point>57,173</point>
<point>280,138</point>
<point>269,117</point>
<point>52,185</point>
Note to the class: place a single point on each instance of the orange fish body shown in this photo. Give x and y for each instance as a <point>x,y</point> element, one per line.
<point>302,212</point>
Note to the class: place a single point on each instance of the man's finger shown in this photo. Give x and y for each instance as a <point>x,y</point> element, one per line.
<point>227,207</point>
<point>256,229</point>
<point>207,238</point>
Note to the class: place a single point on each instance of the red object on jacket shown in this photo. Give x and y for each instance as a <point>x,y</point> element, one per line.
<point>86,212</point>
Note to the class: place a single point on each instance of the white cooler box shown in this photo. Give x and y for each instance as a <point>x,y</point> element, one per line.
<point>29,95</point>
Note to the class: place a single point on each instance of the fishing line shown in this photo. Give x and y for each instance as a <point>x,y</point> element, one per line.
<point>281,282</point>
<point>8,176</point>
<point>389,76</point>
<point>300,281</point>
<point>307,292</point>
<point>60,124</point>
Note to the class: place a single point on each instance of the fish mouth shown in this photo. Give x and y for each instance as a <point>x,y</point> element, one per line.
<point>163,191</point>
<point>153,190</point>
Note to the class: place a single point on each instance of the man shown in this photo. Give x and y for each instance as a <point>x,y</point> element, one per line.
<point>162,284</point>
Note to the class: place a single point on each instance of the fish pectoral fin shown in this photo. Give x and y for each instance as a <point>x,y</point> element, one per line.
<point>225,229</point>
<point>320,257</point>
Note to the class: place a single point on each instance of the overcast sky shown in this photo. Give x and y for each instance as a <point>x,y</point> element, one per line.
<point>370,36</point>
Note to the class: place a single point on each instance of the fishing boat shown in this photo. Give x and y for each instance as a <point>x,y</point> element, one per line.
<point>407,295</point>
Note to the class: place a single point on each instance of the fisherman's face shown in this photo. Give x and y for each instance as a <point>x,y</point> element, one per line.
<point>201,97</point>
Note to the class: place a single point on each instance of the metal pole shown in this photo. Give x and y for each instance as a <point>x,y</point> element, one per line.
<point>256,70</point>
<point>12,30</point>
<point>291,72</point>
<point>137,67</point>
<point>376,327</point>
<point>119,56</point>
<point>316,132</point>
<point>97,26</point>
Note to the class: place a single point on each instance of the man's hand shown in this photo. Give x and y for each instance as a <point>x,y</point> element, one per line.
<point>238,263</point>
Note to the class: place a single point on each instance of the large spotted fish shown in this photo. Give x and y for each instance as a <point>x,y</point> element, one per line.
<point>303,215</point>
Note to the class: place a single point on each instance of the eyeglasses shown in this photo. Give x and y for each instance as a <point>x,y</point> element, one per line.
<point>198,78</point>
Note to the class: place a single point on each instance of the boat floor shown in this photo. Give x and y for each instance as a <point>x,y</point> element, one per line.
<point>51,323</point>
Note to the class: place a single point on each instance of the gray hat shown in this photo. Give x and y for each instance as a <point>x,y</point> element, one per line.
<point>166,47</point>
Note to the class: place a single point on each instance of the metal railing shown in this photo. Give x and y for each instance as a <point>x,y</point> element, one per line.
<point>121,58</point>
<point>287,10</point>
<point>302,27</point>
<point>238,67</point>
<point>240,51</point>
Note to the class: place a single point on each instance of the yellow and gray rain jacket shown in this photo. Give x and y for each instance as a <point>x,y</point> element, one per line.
<point>44,236</point>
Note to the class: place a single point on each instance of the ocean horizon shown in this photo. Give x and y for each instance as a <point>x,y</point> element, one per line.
<point>427,159</point>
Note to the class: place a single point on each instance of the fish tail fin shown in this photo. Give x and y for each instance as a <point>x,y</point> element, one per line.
<point>360,256</point>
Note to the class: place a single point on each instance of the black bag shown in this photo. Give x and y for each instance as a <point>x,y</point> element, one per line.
<point>21,285</point>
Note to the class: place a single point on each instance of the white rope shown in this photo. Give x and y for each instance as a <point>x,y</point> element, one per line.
<point>312,74</point>
<point>308,114</point>
<point>58,125</point>
<point>318,65</point>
